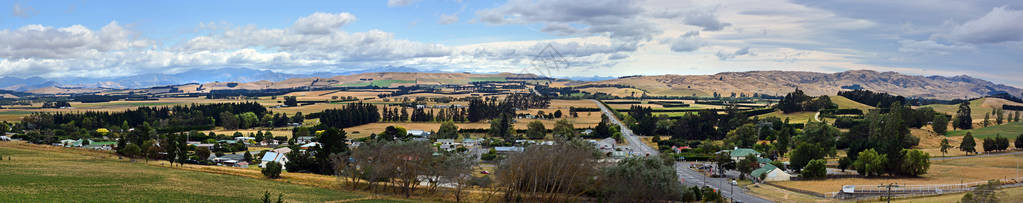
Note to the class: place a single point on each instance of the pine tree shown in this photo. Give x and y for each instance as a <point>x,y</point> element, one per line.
<point>968,145</point>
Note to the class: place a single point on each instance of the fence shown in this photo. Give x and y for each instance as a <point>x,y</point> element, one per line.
<point>903,191</point>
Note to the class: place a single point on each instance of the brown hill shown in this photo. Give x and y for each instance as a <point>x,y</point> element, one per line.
<point>383,78</point>
<point>781,82</point>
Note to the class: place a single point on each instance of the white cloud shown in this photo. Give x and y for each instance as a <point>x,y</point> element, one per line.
<point>741,52</point>
<point>37,41</point>
<point>706,20</point>
<point>1001,24</point>
<point>322,23</point>
<point>688,42</point>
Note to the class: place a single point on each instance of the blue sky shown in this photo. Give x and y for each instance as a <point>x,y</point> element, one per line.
<point>599,38</point>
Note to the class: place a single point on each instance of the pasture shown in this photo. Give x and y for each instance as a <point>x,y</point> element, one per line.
<point>54,174</point>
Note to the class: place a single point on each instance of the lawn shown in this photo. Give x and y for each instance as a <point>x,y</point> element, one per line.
<point>1009,130</point>
<point>51,174</point>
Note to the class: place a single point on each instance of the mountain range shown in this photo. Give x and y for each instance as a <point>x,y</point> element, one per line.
<point>724,84</point>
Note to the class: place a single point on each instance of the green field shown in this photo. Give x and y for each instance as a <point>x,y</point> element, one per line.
<point>797,117</point>
<point>49,175</point>
<point>379,83</point>
<point>1006,130</point>
<point>846,103</point>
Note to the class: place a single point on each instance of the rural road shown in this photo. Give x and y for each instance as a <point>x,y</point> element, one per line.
<point>723,185</point>
<point>688,175</point>
<point>636,147</point>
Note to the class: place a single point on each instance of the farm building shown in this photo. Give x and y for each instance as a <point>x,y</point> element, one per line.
<point>770,173</point>
<point>277,155</point>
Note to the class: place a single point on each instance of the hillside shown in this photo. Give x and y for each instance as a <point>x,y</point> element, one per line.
<point>781,82</point>
<point>390,79</point>
<point>978,107</point>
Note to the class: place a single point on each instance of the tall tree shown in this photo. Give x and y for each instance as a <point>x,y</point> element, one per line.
<point>963,118</point>
<point>564,128</point>
<point>968,145</point>
<point>447,130</point>
<point>945,146</point>
<point>940,125</point>
<point>536,130</point>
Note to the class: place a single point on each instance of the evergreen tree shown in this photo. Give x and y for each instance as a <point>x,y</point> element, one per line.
<point>968,145</point>
<point>963,118</point>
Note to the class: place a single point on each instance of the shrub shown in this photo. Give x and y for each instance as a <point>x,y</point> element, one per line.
<point>815,169</point>
<point>272,170</point>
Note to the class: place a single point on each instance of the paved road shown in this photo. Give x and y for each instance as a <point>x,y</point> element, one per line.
<point>688,176</point>
<point>636,146</point>
<point>724,185</point>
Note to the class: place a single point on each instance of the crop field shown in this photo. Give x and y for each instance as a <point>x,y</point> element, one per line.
<point>15,113</point>
<point>941,172</point>
<point>54,174</point>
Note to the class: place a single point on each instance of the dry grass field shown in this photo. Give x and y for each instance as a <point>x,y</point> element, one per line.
<point>618,92</point>
<point>941,172</point>
<point>978,107</point>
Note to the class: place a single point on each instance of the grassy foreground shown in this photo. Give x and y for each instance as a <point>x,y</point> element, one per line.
<point>50,174</point>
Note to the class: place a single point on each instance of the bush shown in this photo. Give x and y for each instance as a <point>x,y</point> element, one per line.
<point>272,170</point>
<point>482,181</point>
<point>815,169</point>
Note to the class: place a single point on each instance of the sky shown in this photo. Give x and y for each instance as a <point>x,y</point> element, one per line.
<point>98,39</point>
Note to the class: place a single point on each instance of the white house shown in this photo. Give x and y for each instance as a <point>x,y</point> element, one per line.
<point>277,155</point>
<point>245,140</point>
<point>772,173</point>
<point>417,133</point>
<point>303,139</point>
<point>5,138</point>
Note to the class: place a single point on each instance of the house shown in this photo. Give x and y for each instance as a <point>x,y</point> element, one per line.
<point>245,139</point>
<point>207,146</point>
<point>418,133</point>
<point>228,159</point>
<point>101,145</point>
<point>227,141</point>
<point>308,145</point>
<point>68,143</point>
<point>770,173</point>
<point>276,155</point>
<point>508,149</point>
<point>304,139</point>
<point>5,138</point>
<point>738,154</point>
<point>445,141</point>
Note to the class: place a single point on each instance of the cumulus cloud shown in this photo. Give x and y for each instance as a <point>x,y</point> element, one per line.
<point>741,52</point>
<point>23,11</point>
<point>1001,24</point>
<point>322,23</point>
<point>706,20</point>
<point>690,41</point>
<point>37,41</point>
<point>397,3</point>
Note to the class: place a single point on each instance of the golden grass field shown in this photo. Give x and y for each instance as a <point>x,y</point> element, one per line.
<point>941,172</point>
<point>846,103</point>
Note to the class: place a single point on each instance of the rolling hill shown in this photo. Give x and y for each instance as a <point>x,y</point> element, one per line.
<point>813,83</point>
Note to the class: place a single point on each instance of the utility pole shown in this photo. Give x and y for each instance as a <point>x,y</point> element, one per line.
<point>888,195</point>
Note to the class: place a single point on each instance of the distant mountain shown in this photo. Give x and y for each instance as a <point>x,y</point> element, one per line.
<point>191,76</point>
<point>24,84</point>
<point>782,82</point>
